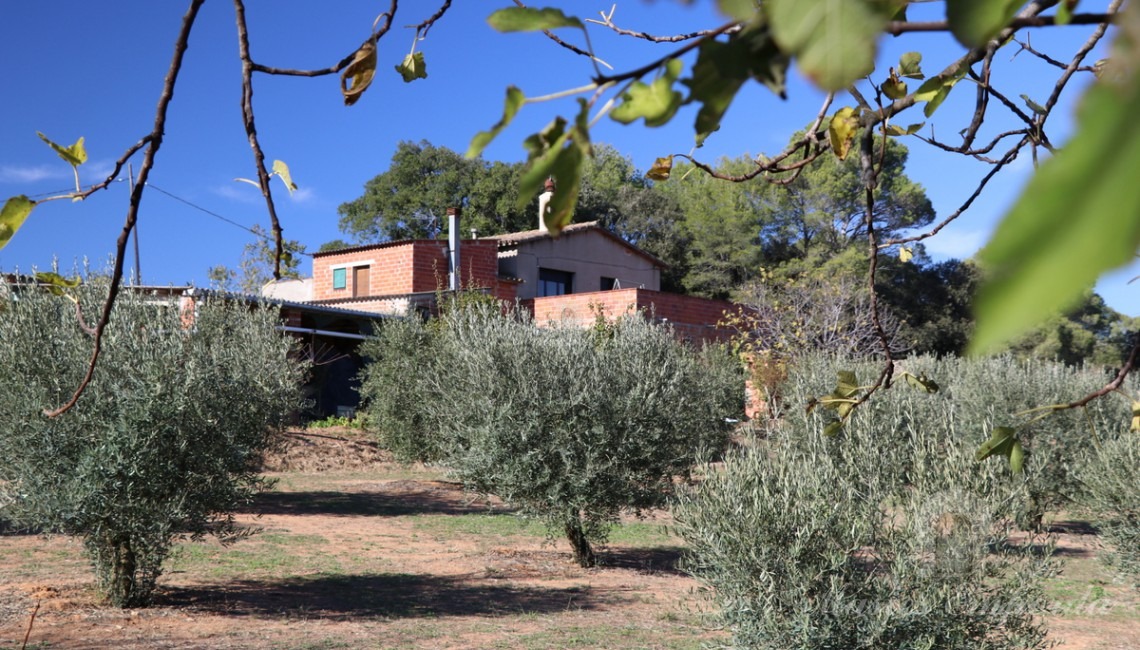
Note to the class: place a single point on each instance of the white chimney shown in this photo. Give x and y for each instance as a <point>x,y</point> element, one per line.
<point>544,203</point>
<point>453,249</point>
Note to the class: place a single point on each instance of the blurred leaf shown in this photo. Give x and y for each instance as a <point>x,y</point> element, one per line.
<point>1033,106</point>
<point>251,182</point>
<point>1016,457</point>
<point>905,254</point>
<point>934,90</point>
<point>848,384</point>
<point>515,100</point>
<point>1000,443</point>
<point>75,155</point>
<point>13,215</point>
<point>1078,217</point>
<point>833,428</point>
<point>742,10</point>
<point>842,128</point>
<point>722,68</point>
<point>562,159</point>
<point>910,66</point>
<point>282,170</point>
<point>911,129</point>
<point>661,169</point>
<point>528,19</point>
<point>357,76</point>
<point>56,283</point>
<point>413,67</point>
<point>834,41</point>
<point>656,102</point>
<point>1064,13</point>
<point>1135,417</point>
<point>975,22</point>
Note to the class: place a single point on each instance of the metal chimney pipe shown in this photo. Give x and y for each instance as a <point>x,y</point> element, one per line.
<point>453,248</point>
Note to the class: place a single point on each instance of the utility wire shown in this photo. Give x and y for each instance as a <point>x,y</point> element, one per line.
<point>255,233</point>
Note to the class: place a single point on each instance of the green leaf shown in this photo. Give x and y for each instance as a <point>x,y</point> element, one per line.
<point>833,428</point>
<point>661,169</point>
<point>975,22</point>
<point>529,19</point>
<point>1016,457</point>
<point>905,254</point>
<point>357,76</point>
<point>56,283</point>
<point>282,170</point>
<point>413,67</point>
<point>1135,426</point>
<point>910,66</point>
<point>934,90</point>
<point>514,102</point>
<point>1033,106</point>
<point>1078,217</point>
<point>722,68</point>
<point>841,130</point>
<point>563,159</point>
<point>1000,443</point>
<point>75,155</point>
<point>848,385</point>
<point>1064,14</point>
<point>13,215</point>
<point>656,102</point>
<point>834,41</point>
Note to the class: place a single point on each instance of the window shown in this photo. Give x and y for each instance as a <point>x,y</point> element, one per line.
<point>609,284</point>
<point>360,281</point>
<point>554,283</point>
<point>340,278</point>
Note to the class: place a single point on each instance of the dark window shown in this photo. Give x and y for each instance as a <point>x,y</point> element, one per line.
<point>554,283</point>
<point>609,284</point>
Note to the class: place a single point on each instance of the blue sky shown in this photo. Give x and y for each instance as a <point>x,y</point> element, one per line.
<point>75,68</point>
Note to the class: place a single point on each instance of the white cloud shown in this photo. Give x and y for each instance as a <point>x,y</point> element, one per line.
<point>15,174</point>
<point>97,171</point>
<point>303,195</point>
<point>240,192</point>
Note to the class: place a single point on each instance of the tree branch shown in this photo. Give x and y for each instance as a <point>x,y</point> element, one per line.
<point>388,16</point>
<point>153,142</point>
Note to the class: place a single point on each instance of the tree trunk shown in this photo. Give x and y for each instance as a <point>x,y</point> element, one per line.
<point>124,565</point>
<point>583,553</point>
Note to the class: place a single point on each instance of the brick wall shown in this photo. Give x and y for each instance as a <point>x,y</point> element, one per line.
<point>692,318</point>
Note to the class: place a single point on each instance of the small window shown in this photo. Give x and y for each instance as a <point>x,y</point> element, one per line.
<point>609,284</point>
<point>554,283</point>
<point>340,278</point>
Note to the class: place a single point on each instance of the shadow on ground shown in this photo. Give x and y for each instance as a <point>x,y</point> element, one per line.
<point>378,596</point>
<point>662,559</point>
<point>428,501</point>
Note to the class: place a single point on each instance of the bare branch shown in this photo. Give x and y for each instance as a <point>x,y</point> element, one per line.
<point>573,48</point>
<point>607,21</point>
<point>153,142</point>
<point>896,28</point>
<point>387,17</point>
<point>251,132</point>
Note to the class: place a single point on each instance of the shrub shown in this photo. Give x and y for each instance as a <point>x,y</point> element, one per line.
<point>573,426</point>
<point>1112,494</point>
<point>164,443</point>
<point>890,535</point>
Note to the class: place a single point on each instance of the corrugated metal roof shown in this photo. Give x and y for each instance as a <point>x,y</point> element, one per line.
<point>514,238</point>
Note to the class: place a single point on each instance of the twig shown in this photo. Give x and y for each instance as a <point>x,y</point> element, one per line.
<point>607,21</point>
<point>388,16</point>
<point>31,621</point>
<point>896,28</point>
<point>153,142</point>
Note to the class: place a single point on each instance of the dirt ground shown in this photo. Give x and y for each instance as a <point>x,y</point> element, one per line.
<point>354,551</point>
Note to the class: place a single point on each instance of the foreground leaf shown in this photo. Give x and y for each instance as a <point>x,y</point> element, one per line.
<point>413,67</point>
<point>356,78</point>
<point>1078,217</point>
<point>282,170</point>
<point>975,22</point>
<point>1000,443</point>
<point>841,130</point>
<point>58,285</point>
<point>657,102</point>
<point>661,169</point>
<point>529,19</point>
<point>75,155</point>
<point>515,100</point>
<point>834,40</point>
<point>13,215</point>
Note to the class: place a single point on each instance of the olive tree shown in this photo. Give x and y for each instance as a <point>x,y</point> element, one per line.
<point>166,441</point>
<point>572,426</point>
